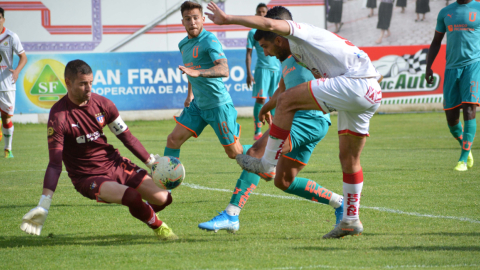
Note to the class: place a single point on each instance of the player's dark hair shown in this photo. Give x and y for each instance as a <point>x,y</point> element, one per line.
<point>276,13</point>
<point>266,35</point>
<point>3,12</point>
<point>261,5</point>
<point>189,5</point>
<point>76,66</point>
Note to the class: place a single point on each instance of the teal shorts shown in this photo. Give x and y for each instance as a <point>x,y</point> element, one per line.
<point>461,86</point>
<point>266,82</point>
<point>305,134</point>
<point>222,119</point>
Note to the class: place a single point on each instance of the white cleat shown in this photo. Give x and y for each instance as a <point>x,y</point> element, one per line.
<point>344,228</point>
<point>250,164</point>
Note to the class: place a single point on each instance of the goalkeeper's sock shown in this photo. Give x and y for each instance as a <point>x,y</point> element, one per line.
<point>245,184</point>
<point>352,189</point>
<point>8,134</point>
<point>171,152</point>
<point>273,150</point>
<point>310,190</point>
<point>157,208</point>
<point>256,110</point>
<point>140,210</point>
<point>470,128</point>
<point>457,132</point>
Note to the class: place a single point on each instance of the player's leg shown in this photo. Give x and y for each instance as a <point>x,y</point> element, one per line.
<point>259,102</point>
<point>470,129</point>
<point>7,107</point>
<point>189,123</point>
<point>276,77</point>
<point>260,93</point>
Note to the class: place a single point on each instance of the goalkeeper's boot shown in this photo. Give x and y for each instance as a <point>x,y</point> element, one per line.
<point>8,153</point>
<point>165,233</point>
<point>461,166</point>
<point>221,222</point>
<point>470,160</point>
<point>351,227</point>
<point>339,214</point>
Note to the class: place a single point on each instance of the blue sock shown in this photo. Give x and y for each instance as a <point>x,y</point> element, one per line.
<point>457,132</point>
<point>256,110</point>
<point>171,152</point>
<point>470,128</point>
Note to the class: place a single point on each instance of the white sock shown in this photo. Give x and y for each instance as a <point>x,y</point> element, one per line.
<point>351,195</point>
<point>335,201</point>
<point>7,136</point>
<point>233,210</point>
<point>273,151</point>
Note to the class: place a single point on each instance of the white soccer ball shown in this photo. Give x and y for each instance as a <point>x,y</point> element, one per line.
<point>168,172</point>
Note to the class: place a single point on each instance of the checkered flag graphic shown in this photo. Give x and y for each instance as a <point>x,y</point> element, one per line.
<point>417,62</point>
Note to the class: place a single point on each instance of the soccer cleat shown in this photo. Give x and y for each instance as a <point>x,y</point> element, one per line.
<point>221,222</point>
<point>470,160</point>
<point>268,176</point>
<point>1,135</point>
<point>256,137</point>
<point>339,214</point>
<point>344,228</point>
<point>165,233</point>
<point>8,153</point>
<point>461,166</point>
<point>251,164</point>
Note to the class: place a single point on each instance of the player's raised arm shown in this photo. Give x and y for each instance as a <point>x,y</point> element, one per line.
<point>219,70</point>
<point>258,22</point>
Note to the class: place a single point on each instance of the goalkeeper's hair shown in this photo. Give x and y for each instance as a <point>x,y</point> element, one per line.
<point>189,5</point>
<point>76,66</point>
<point>276,13</point>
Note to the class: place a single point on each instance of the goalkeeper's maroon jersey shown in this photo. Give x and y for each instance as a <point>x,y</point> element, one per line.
<point>78,131</point>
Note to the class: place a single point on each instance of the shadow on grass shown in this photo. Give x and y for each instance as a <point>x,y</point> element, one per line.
<point>474,234</point>
<point>397,248</point>
<point>62,205</point>
<point>94,240</point>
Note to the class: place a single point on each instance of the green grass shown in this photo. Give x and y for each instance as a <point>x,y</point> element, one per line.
<point>413,204</point>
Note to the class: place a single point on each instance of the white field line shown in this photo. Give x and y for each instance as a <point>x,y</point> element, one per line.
<point>381,209</point>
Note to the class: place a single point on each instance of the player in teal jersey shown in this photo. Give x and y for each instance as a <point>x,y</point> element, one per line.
<point>462,72</point>
<point>267,73</point>
<point>208,102</point>
<point>308,128</point>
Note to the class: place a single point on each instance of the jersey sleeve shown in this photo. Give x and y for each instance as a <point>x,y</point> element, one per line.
<point>440,22</point>
<point>55,149</point>
<point>17,45</point>
<point>299,31</point>
<point>250,40</point>
<point>215,50</point>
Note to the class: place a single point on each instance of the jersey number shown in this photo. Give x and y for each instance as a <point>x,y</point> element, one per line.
<point>223,128</point>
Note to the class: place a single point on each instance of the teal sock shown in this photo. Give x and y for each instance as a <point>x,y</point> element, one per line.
<point>245,148</point>
<point>470,128</point>
<point>256,110</point>
<point>245,184</point>
<point>171,152</point>
<point>309,190</point>
<point>457,132</point>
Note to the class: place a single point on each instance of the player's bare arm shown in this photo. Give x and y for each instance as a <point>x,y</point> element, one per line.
<point>248,63</point>
<point>218,71</point>
<point>190,96</point>
<point>432,54</point>
<point>264,114</point>
<point>258,22</point>
<point>21,64</point>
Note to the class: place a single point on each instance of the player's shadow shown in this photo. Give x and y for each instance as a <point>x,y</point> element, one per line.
<point>459,234</point>
<point>58,205</point>
<point>395,248</point>
<point>94,240</point>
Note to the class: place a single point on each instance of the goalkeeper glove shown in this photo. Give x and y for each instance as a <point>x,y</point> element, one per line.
<point>32,222</point>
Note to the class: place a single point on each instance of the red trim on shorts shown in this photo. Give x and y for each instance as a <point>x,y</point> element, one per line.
<point>142,181</point>
<point>453,107</point>
<point>9,125</point>
<point>194,133</point>
<point>258,94</point>
<point>279,133</point>
<point>476,103</point>
<point>313,96</point>
<point>353,178</point>
<point>289,138</point>
<point>349,132</point>
<point>235,138</point>
<point>296,160</point>
<point>261,98</point>
<point>5,113</point>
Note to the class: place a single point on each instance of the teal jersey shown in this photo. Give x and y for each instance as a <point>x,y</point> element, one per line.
<point>463,33</point>
<point>200,53</point>
<point>293,74</point>
<point>268,62</point>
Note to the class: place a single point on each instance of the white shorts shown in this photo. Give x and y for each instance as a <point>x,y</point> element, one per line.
<point>7,102</point>
<point>356,100</point>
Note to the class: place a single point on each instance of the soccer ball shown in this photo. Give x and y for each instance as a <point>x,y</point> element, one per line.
<point>168,172</point>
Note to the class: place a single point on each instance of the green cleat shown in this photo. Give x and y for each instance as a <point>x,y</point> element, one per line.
<point>470,160</point>
<point>461,166</point>
<point>8,153</point>
<point>165,233</point>
<point>344,228</point>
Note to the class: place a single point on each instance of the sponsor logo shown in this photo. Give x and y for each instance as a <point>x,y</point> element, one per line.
<point>44,83</point>
<point>287,70</point>
<point>450,28</point>
<point>449,15</point>
<point>50,131</point>
<point>93,185</point>
<point>81,139</point>
<point>5,43</point>
<point>373,96</point>
<point>101,119</point>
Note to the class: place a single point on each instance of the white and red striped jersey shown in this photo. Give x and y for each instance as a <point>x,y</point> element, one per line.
<point>9,43</point>
<point>327,54</point>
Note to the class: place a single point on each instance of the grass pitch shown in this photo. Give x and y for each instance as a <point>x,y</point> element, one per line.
<point>417,212</point>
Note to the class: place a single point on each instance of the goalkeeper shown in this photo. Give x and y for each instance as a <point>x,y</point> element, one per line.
<point>98,172</point>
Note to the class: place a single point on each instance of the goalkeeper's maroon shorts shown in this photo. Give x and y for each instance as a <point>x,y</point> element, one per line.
<point>123,172</point>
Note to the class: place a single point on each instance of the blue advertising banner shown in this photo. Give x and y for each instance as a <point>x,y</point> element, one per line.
<point>133,81</point>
